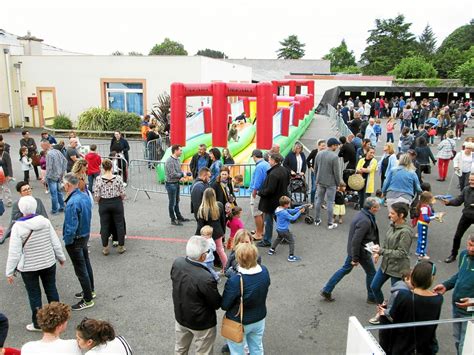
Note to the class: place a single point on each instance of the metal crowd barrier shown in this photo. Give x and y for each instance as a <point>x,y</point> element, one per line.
<point>337,122</point>
<point>140,149</point>
<point>148,176</point>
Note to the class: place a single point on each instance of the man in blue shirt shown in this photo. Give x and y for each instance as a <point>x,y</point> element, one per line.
<point>76,232</point>
<point>401,104</point>
<point>200,160</point>
<point>258,177</point>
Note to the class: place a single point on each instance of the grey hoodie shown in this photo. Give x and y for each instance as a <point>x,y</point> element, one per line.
<point>396,288</point>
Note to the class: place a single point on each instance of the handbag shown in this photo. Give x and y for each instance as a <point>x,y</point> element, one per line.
<point>21,262</point>
<point>231,329</point>
<point>356,182</point>
<point>453,151</point>
<point>35,160</point>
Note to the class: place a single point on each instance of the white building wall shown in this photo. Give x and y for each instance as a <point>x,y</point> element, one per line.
<point>77,78</point>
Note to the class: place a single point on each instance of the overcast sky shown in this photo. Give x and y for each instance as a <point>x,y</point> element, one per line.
<point>250,29</point>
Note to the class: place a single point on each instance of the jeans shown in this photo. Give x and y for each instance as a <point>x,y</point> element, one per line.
<point>57,201</point>
<point>173,200</point>
<point>379,279</point>
<point>459,329</point>
<point>91,179</point>
<point>367,264</point>
<point>253,335</point>
<point>390,137</point>
<point>111,220</point>
<point>79,254</point>
<point>313,186</point>
<point>463,225</point>
<point>330,193</point>
<point>3,329</point>
<point>463,180</point>
<point>267,236</point>
<point>285,235</point>
<point>32,284</point>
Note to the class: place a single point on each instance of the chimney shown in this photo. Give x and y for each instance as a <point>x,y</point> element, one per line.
<point>31,44</point>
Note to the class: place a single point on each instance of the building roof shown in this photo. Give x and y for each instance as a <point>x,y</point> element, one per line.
<point>277,69</point>
<point>16,48</point>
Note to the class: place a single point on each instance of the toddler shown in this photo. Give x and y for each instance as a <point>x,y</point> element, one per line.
<point>380,199</point>
<point>390,127</point>
<point>378,128</point>
<point>284,216</point>
<point>206,232</point>
<point>25,164</point>
<point>340,202</point>
<point>238,180</point>
<point>234,224</point>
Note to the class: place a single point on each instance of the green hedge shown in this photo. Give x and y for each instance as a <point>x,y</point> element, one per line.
<point>62,121</point>
<point>100,119</point>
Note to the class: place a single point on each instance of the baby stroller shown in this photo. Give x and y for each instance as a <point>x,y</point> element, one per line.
<point>352,196</point>
<point>298,192</point>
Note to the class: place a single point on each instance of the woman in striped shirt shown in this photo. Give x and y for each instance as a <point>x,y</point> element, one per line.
<point>33,251</point>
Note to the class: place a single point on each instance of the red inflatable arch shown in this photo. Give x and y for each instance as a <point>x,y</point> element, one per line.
<point>220,92</point>
<point>293,84</point>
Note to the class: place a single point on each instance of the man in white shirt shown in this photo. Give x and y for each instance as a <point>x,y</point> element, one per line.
<point>52,319</point>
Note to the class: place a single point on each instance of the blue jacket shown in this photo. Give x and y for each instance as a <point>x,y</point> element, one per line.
<point>285,216</point>
<point>215,170</point>
<point>259,175</point>
<point>77,216</point>
<point>255,295</point>
<point>462,281</point>
<point>401,180</point>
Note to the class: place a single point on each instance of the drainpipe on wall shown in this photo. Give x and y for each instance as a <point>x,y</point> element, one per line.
<point>9,85</point>
<point>20,95</point>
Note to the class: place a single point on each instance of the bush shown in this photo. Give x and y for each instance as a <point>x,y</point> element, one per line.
<point>465,72</point>
<point>414,68</point>
<point>123,121</point>
<point>100,119</point>
<point>62,121</point>
<point>94,119</point>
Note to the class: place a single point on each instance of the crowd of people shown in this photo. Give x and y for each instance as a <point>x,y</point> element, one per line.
<point>73,180</point>
<point>341,171</point>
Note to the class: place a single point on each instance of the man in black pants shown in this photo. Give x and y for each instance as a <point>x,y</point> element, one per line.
<point>467,217</point>
<point>76,232</point>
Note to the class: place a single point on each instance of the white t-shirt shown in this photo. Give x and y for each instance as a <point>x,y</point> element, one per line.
<point>299,163</point>
<point>118,346</point>
<point>466,163</point>
<point>59,347</point>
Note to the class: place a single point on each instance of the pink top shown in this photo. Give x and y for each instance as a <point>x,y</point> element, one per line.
<point>234,225</point>
<point>390,127</point>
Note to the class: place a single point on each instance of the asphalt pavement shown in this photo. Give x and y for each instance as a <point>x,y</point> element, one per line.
<point>134,289</point>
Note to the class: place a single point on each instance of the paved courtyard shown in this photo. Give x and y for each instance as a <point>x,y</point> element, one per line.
<point>134,289</point>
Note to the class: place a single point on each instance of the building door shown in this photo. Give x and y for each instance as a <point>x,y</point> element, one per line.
<point>46,106</point>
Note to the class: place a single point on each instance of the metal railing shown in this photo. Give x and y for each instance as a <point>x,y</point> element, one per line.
<point>337,122</point>
<point>148,176</point>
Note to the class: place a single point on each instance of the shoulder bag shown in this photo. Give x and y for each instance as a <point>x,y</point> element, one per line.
<point>231,329</point>
<point>21,262</point>
<point>453,151</point>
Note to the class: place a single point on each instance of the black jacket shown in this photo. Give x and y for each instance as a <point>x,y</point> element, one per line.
<point>362,231</point>
<point>120,146</point>
<point>275,186</point>
<point>197,190</point>
<point>354,125</point>
<point>195,295</point>
<point>217,225</point>
<point>194,163</point>
<point>6,164</point>
<point>311,157</point>
<point>348,153</point>
<point>291,164</point>
<point>466,198</point>
<point>221,196</point>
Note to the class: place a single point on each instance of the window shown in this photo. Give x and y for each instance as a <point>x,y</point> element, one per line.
<point>124,95</point>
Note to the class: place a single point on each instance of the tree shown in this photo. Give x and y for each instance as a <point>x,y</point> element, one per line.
<point>465,72</point>
<point>291,48</point>
<point>117,53</point>
<point>133,53</point>
<point>414,68</point>
<point>340,57</point>
<point>461,38</point>
<point>427,42</point>
<point>447,61</point>
<point>168,47</point>
<point>389,42</point>
<point>211,53</point>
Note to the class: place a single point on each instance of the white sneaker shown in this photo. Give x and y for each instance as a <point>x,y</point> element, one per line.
<point>31,328</point>
<point>332,226</point>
